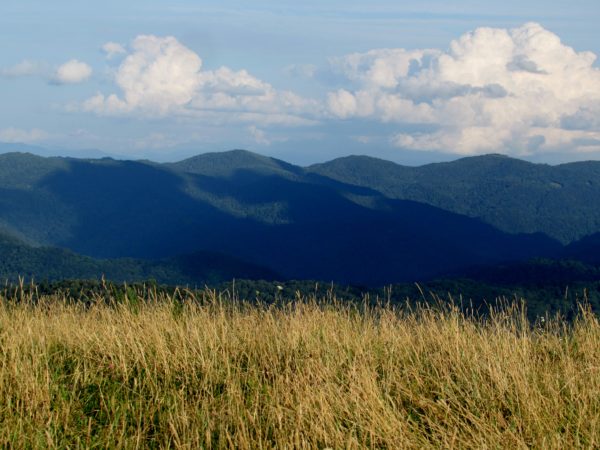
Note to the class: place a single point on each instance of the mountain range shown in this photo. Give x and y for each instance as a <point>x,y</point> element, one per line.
<point>356,220</point>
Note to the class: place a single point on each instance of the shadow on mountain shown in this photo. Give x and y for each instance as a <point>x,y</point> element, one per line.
<point>539,273</point>
<point>51,263</point>
<point>211,268</point>
<point>586,250</point>
<point>296,226</point>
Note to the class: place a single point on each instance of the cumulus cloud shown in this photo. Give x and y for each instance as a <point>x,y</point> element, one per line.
<point>345,104</point>
<point>112,49</point>
<point>518,90</point>
<point>161,77</point>
<point>72,72</point>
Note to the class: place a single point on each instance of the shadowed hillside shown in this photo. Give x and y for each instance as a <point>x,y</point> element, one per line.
<point>263,211</point>
<point>18,259</point>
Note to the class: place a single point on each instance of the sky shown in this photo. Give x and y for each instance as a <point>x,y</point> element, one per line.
<point>306,81</point>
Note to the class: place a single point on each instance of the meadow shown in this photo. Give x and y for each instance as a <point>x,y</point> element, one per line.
<point>207,370</point>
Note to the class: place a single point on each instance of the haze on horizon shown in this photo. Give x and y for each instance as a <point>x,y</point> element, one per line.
<point>303,82</point>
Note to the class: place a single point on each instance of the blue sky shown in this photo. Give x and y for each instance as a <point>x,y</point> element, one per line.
<point>304,81</point>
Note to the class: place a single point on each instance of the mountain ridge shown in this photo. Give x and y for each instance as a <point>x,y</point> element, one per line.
<point>511,194</point>
<point>319,222</point>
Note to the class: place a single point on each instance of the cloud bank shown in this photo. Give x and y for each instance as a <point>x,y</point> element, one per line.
<point>517,91</point>
<point>160,76</point>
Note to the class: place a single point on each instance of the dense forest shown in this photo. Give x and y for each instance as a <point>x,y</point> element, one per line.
<point>320,222</point>
<point>546,287</point>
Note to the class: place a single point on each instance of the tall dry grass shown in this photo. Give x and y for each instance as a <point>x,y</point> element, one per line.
<point>158,372</point>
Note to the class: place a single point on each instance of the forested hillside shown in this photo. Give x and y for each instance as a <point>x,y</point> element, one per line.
<point>515,196</point>
<point>37,264</point>
<point>357,220</point>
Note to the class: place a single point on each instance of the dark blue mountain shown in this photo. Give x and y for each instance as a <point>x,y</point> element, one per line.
<point>318,223</point>
<point>17,259</point>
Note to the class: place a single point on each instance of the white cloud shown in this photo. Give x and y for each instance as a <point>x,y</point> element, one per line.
<point>343,104</point>
<point>72,72</point>
<point>16,135</point>
<point>161,74</point>
<point>518,91</point>
<point>161,77</point>
<point>112,49</point>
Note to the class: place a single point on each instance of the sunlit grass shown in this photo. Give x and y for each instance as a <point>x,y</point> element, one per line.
<point>202,371</point>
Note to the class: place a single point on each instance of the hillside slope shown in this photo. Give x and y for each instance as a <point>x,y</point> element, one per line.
<point>355,220</point>
<point>18,259</point>
<point>515,196</point>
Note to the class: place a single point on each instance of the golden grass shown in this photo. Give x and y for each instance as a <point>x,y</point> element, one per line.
<point>219,374</point>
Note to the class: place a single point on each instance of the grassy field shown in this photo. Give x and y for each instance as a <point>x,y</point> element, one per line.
<point>204,371</point>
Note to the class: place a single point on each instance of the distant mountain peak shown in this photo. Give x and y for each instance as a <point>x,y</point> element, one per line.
<point>493,155</point>
<point>487,157</point>
<point>229,162</point>
<point>234,156</point>
<point>362,161</point>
